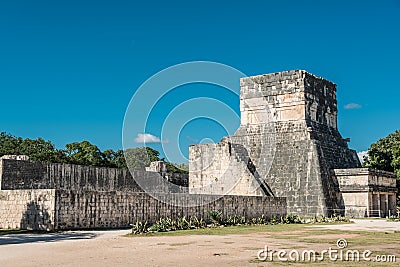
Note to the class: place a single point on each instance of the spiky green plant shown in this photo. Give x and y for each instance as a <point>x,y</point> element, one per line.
<point>261,219</point>
<point>140,228</point>
<point>196,222</point>
<point>216,217</point>
<point>182,223</point>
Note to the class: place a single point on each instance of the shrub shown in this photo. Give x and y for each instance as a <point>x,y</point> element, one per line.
<point>183,224</point>
<point>197,223</point>
<point>216,217</point>
<point>167,224</point>
<point>291,218</point>
<point>140,228</point>
<point>338,218</point>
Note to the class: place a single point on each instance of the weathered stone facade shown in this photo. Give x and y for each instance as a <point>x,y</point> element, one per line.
<point>27,209</point>
<point>47,196</point>
<point>77,209</point>
<point>288,143</point>
<point>223,172</point>
<point>286,156</point>
<point>367,193</point>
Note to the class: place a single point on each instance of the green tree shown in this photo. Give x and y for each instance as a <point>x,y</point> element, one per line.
<point>396,159</point>
<point>36,149</point>
<point>82,153</point>
<point>140,157</point>
<point>9,144</point>
<point>177,168</point>
<point>85,153</point>
<point>115,159</point>
<point>41,150</point>
<point>385,154</point>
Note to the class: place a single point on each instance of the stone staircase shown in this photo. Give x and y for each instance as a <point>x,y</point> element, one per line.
<point>241,155</point>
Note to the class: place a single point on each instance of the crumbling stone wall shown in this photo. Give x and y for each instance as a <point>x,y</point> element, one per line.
<point>27,209</point>
<point>41,175</point>
<point>77,209</point>
<point>45,196</point>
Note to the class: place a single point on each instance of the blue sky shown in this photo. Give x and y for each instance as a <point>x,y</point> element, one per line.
<point>69,69</point>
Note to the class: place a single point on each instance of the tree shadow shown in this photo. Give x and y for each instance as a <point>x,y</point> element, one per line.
<point>36,217</point>
<point>38,221</point>
<point>12,239</point>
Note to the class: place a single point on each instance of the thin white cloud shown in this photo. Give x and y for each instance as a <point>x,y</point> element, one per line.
<point>147,138</point>
<point>353,106</point>
<point>361,155</point>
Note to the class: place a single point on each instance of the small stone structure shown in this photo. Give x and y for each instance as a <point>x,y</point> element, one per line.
<point>287,145</point>
<point>49,196</point>
<point>367,193</point>
<point>15,157</point>
<point>157,166</point>
<point>160,167</point>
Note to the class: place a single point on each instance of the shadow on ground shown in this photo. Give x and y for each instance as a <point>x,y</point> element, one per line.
<point>12,239</point>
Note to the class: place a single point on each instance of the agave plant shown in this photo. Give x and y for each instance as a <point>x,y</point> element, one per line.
<point>273,220</point>
<point>140,228</point>
<point>242,220</point>
<point>261,219</point>
<point>196,222</point>
<point>291,218</point>
<point>182,223</point>
<point>216,217</point>
<point>339,218</point>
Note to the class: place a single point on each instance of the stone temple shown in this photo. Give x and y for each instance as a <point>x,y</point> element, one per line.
<point>288,145</point>
<point>286,157</point>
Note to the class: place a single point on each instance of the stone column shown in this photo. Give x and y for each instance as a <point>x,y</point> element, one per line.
<point>379,203</point>
<point>386,204</point>
<point>370,205</point>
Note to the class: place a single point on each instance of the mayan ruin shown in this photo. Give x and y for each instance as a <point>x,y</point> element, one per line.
<point>199,133</point>
<point>288,145</point>
<point>287,157</point>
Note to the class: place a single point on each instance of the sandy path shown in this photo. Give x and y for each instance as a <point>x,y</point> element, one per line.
<point>381,225</point>
<point>112,248</point>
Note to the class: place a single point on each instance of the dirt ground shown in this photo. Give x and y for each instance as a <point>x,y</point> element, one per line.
<point>112,248</point>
